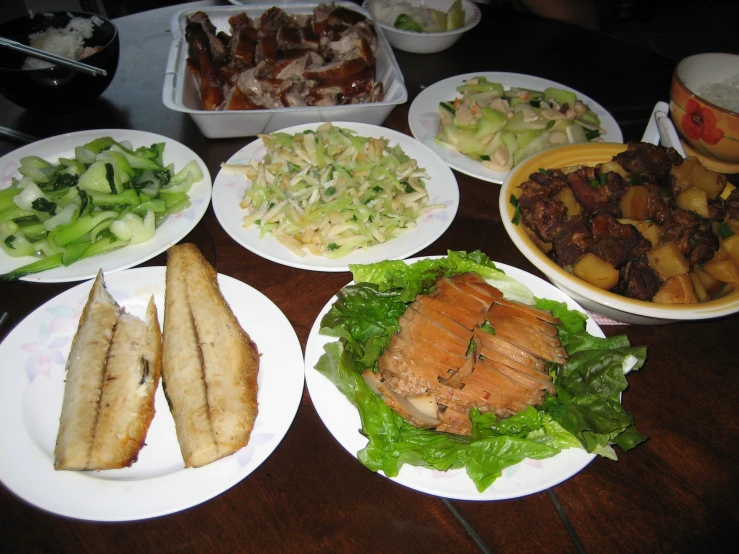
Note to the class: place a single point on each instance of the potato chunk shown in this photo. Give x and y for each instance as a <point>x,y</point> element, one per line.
<point>649,230</point>
<point>700,290</point>
<point>728,189</point>
<point>676,290</point>
<point>668,261</point>
<point>695,200</point>
<point>615,167</point>
<point>710,181</point>
<point>634,203</point>
<point>724,270</point>
<point>567,197</point>
<point>731,245</point>
<point>680,174</point>
<point>711,285</point>
<point>598,272</point>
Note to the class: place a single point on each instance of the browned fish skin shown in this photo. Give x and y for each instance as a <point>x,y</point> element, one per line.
<point>85,368</point>
<point>112,374</point>
<point>210,364</point>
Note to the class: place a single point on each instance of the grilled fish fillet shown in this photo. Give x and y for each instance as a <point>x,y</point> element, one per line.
<point>113,372</point>
<point>209,363</point>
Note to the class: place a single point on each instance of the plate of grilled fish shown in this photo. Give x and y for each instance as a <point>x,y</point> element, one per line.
<point>146,391</point>
<point>505,372</point>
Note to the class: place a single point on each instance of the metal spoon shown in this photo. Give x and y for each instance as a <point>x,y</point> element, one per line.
<point>49,57</point>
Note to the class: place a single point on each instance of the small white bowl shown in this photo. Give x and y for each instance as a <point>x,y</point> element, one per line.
<point>427,43</point>
<point>620,308</point>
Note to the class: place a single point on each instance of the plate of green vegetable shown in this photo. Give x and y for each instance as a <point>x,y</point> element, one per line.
<point>506,458</point>
<point>321,196</point>
<point>483,124</point>
<point>104,199</point>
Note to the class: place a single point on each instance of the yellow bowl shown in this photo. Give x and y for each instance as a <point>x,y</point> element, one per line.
<point>590,297</point>
<point>709,129</point>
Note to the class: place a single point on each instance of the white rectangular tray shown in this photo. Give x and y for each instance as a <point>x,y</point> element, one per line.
<point>181,94</point>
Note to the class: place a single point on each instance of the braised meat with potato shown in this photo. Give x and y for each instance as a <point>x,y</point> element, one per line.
<point>647,224</point>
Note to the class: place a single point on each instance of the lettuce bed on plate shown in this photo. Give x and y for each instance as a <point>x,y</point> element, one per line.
<point>585,413</point>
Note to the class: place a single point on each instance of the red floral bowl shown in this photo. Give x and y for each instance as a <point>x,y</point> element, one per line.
<point>711,130</point>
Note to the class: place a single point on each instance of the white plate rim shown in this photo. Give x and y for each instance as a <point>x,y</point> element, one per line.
<point>170,232</point>
<point>228,190</point>
<point>163,486</point>
<point>424,127</point>
<point>342,420</point>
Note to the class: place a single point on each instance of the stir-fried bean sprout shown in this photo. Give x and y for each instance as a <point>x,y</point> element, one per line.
<point>331,192</point>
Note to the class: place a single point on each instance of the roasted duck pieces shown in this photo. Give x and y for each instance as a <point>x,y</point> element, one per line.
<point>209,363</point>
<point>278,60</point>
<point>463,345</point>
<point>202,65</point>
<point>112,374</point>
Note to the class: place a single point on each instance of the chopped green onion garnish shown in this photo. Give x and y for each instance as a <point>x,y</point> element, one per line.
<point>517,214</point>
<point>725,231</point>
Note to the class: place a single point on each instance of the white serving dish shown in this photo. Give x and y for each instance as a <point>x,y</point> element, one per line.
<point>181,94</point>
<point>429,43</point>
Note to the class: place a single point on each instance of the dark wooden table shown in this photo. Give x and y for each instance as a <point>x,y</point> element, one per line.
<point>676,493</point>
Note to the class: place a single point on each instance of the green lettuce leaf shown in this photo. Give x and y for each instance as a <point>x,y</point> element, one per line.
<point>419,277</point>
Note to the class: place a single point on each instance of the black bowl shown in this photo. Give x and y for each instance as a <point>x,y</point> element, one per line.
<point>57,89</point>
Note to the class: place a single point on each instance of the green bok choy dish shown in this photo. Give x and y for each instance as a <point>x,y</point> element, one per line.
<point>108,196</point>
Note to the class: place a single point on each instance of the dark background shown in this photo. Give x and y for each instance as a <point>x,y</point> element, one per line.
<point>673,29</point>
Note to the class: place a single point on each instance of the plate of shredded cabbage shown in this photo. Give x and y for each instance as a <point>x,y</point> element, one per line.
<point>105,199</point>
<point>482,124</point>
<point>321,196</point>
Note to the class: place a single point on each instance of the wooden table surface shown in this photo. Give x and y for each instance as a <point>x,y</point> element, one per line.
<point>676,493</point>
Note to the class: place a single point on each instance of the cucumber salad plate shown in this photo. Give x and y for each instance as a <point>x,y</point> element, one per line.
<point>483,124</point>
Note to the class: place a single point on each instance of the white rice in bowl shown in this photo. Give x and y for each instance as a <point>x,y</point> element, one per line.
<point>68,42</point>
<point>724,94</point>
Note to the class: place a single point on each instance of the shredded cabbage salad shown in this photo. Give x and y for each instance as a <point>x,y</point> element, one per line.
<point>330,192</point>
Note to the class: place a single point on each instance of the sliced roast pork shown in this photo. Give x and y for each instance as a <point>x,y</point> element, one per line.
<point>443,360</point>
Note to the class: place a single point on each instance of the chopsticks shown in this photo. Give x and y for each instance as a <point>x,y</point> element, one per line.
<point>49,57</point>
<point>17,136</point>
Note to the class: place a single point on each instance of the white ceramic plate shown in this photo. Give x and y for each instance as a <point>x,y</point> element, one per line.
<point>423,117</point>
<point>527,477</point>
<point>32,386</point>
<point>170,232</point>
<point>229,188</point>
